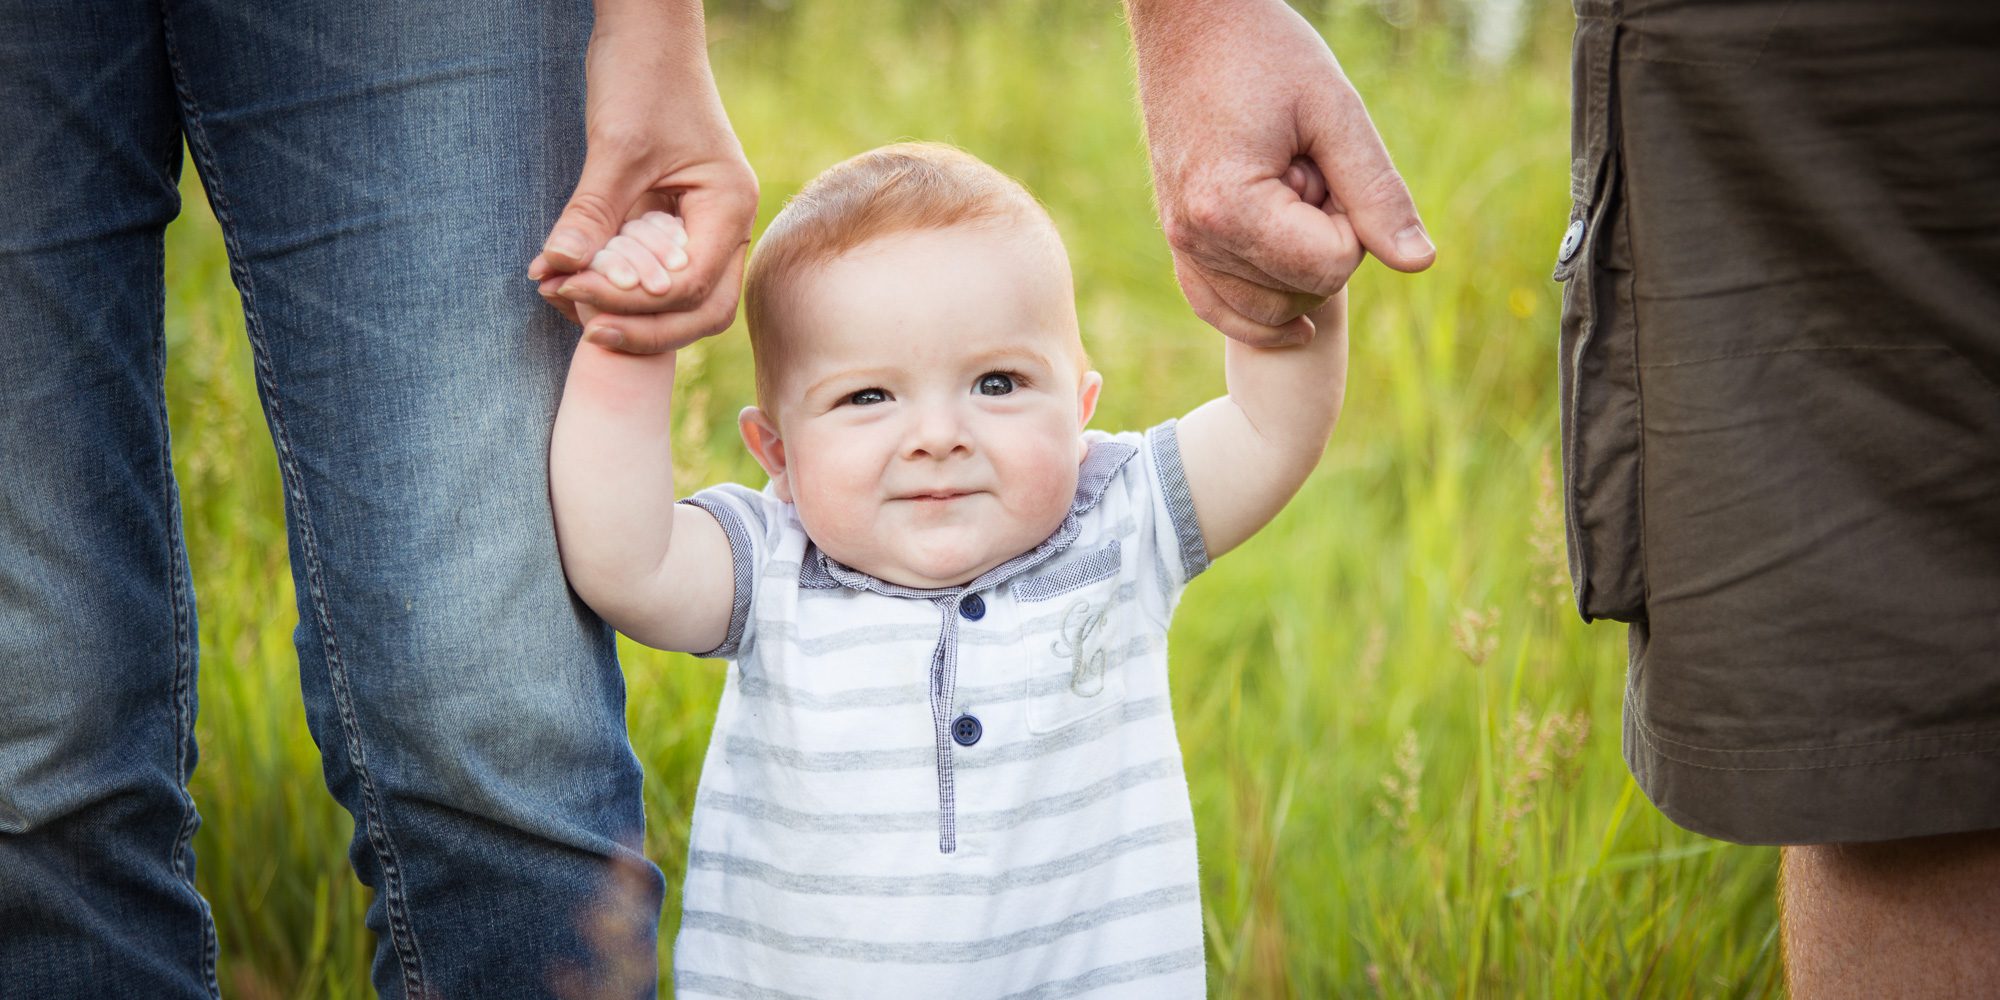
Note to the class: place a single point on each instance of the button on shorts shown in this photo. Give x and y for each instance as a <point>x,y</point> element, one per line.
<point>1780,371</point>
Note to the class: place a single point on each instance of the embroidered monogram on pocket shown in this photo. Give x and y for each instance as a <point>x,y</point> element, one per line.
<point>1073,639</point>
<point>1082,643</point>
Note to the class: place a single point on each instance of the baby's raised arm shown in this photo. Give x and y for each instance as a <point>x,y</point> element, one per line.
<point>657,570</point>
<point>1248,452</point>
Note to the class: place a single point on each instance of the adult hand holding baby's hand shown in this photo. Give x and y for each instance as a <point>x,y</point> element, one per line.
<point>1234,93</point>
<point>659,141</point>
<point>646,254</point>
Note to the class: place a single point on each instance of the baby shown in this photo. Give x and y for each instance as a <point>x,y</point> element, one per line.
<point>944,764</point>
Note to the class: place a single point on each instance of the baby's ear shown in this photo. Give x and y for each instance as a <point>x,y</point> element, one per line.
<point>760,435</point>
<point>1087,389</point>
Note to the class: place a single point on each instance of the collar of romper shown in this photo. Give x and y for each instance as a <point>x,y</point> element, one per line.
<point>818,571</point>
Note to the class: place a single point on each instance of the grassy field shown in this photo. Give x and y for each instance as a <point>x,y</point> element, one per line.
<point>1402,745</point>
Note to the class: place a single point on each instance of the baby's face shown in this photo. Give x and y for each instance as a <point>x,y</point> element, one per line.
<point>931,402</point>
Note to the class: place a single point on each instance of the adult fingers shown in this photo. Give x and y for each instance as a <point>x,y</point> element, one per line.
<point>651,333</point>
<point>1209,305</point>
<point>603,196</point>
<point>1342,139</point>
<point>540,269</point>
<point>1246,291</point>
<point>547,287</point>
<point>1260,230</point>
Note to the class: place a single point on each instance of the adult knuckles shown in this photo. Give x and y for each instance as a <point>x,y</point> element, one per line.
<point>620,139</point>
<point>595,209</point>
<point>1207,212</point>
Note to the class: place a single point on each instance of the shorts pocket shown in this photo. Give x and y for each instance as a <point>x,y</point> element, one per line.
<point>1597,370</point>
<point>1074,639</point>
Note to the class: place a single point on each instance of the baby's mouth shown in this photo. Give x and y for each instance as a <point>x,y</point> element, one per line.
<point>936,496</point>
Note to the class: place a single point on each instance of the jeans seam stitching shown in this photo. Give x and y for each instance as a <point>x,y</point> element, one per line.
<point>402,932</point>
<point>185,651</point>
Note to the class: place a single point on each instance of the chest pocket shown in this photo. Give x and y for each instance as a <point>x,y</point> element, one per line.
<point>1073,641</point>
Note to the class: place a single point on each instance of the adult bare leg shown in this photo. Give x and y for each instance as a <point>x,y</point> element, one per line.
<point>1900,918</point>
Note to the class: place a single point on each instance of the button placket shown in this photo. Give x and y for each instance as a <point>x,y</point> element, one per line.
<point>944,683</point>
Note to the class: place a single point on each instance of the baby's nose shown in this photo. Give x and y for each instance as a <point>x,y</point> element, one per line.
<point>936,432</point>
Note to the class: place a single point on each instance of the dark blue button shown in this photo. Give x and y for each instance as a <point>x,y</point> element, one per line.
<point>973,607</point>
<point>966,729</point>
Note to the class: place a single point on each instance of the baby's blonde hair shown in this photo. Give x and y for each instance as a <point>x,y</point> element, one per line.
<point>904,187</point>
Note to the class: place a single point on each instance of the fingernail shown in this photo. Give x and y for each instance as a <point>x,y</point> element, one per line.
<point>564,288</point>
<point>660,285</point>
<point>605,337</point>
<point>565,243</point>
<point>677,260</point>
<point>1413,243</point>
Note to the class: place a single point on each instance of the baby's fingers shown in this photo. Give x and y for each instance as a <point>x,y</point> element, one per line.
<point>629,264</point>
<point>664,235</point>
<point>661,238</point>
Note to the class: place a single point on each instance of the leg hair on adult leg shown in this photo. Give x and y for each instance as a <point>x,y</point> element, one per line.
<point>1903,918</point>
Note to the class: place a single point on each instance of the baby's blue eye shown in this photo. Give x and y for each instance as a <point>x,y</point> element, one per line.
<point>868,396</point>
<point>995,384</point>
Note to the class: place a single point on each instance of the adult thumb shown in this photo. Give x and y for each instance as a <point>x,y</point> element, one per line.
<point>1366,185</point>
<point>603,197</point>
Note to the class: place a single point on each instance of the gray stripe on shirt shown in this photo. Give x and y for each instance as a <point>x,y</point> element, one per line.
<point>1110,975</point>
<point>940,885</point>
<point>931,952</point>
<point>893,695</point>
<point>1076,734</point>
<point>979,822</point>
<point>915,633</point>
<point>723,986</point>
<point>1102,976</point>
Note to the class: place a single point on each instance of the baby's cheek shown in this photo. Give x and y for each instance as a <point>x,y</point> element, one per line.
<point>1046,485</point>
<point>836,517</point>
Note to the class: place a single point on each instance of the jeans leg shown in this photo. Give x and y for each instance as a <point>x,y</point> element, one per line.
<point>97,648</point>
<point>383,171</point>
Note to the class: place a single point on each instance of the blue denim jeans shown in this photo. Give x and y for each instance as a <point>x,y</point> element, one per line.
<point>383,171</point>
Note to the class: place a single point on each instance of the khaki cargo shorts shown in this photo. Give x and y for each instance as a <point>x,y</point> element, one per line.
<point>1780,383</point>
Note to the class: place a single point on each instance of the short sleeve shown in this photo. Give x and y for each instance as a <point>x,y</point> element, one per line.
<point>755,523</point>
<point>1147,507</point>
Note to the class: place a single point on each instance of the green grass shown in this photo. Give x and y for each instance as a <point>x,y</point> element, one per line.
<point>1401,743</point>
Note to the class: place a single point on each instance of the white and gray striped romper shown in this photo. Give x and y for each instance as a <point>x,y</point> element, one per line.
<point>974,789</point>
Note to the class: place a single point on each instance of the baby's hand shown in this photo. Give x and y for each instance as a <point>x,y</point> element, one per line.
<point>644,253</point>
<point>1305,180</point>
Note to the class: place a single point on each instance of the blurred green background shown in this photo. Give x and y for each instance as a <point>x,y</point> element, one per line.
<point>1402,744</point>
